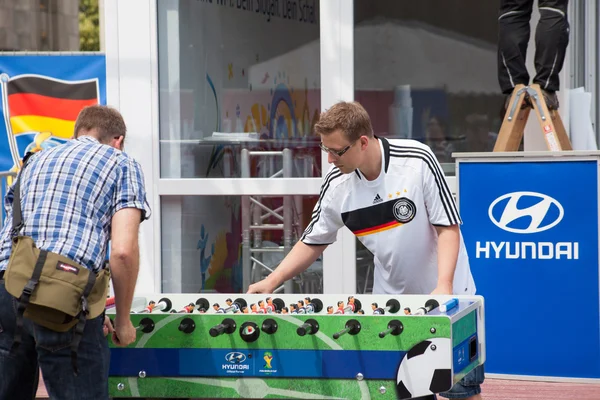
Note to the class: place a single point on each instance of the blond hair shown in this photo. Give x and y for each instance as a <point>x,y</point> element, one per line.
<point>349,117</point>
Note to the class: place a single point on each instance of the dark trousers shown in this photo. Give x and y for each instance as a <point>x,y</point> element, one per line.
<point>50,351</point>
<point>551,40</point>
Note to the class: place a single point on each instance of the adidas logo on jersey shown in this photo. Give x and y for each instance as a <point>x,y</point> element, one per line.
<point>377,199</point>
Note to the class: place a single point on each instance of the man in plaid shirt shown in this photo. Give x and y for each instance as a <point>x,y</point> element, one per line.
<point>75,199</point>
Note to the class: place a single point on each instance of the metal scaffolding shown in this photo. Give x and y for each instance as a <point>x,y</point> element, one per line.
<point>254,212</point>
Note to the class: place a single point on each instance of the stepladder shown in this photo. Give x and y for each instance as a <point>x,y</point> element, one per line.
<point>522,101</point>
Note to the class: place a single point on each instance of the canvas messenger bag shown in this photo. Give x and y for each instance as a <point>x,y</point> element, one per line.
<point>52,290</point>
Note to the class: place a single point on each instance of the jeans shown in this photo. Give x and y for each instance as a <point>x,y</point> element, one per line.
<point>50,351</point>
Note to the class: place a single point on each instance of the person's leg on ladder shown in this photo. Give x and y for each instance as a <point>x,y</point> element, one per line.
<point>551,40</point>
<point>93,357</point>
<point>513,37</point>
<point>19,372</point>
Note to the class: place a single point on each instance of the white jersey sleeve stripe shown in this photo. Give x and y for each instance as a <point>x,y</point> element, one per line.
<point>446,201</point>
<point>445,194</point>
<point>335,173</point>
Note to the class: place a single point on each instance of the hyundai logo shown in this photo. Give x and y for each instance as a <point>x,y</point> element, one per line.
<point>235,357</point>
<point>544,213</point>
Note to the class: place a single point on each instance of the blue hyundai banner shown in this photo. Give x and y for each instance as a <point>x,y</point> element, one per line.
<point>531,231</point>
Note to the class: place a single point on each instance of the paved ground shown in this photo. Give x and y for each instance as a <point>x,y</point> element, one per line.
<point>500,389</point>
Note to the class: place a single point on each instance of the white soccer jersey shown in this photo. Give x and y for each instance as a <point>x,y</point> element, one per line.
<point>394,216</point>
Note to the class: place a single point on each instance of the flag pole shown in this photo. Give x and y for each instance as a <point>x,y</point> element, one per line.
<point>12,142</point>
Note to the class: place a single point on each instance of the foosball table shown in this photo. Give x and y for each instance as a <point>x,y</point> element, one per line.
<point>297,346</point>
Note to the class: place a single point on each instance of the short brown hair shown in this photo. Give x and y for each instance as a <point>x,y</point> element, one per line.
<point>106,120</point>
<point>349,117</point>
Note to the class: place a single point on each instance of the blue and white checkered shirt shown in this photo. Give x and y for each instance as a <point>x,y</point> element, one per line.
<point>69,194</point>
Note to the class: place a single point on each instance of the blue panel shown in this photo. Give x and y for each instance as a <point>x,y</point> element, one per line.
<point>461,356</point>
<point>340,364</point>
<point>531,231</point>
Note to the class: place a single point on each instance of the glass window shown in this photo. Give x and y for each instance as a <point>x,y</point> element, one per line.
<point>203,241</point>
<point>427,70</point>
<point>49,25</point>
<point>233,75</point>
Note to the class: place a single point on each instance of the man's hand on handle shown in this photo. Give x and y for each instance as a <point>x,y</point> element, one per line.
<point>124,333</point>
<point>107,328</point>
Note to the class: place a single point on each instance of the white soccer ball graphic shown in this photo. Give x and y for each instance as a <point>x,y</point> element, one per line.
<point>426,369</point>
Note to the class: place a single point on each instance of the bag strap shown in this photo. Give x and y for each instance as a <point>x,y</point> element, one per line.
<point>26,296</point>
<point>16,211</point>
<point>82,319</point>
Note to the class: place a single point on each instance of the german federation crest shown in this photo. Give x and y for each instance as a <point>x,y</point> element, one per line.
<point>426,369</point>
<point>404,210</point>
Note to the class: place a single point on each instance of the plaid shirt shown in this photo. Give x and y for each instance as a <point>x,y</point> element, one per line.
<point>69,194</point>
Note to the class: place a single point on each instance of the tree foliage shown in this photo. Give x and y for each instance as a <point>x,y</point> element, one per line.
<point>89,25</point>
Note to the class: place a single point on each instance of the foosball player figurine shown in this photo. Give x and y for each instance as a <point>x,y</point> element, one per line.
<point>218,308</point>
<point>234,306</point>
<point>351,303</point>
<point>187,309</point>
<point>293,309</point>
<point>329,309</point>
<point>406,310</point>
<point>313,305</point>
<point>253,309</point>
<point>164,304</point>
<point>361,311</point>
<point>270,306</point>
<point>310,308</point>
<point>353,306</point>
<point>285,310</point>
<point>149,307</point>
<point>261,307</point>
<point>376,309</point>
<point>301,308</point>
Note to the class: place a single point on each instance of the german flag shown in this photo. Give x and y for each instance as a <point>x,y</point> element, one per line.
<point>379,217</point>
<point>42,104</point>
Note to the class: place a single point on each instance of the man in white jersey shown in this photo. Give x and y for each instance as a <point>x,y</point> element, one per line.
<point>393,196</point>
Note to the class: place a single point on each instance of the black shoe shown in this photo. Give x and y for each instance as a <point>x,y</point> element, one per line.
<point>551,99</point>
<point>526,103</point>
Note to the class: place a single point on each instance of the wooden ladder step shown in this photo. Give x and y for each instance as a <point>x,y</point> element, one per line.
<point>522,100</point>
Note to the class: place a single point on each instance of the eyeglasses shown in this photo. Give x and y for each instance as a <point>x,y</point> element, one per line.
<point>336,153</point>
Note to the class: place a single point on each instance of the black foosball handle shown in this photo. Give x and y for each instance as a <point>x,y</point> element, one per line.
<point>395,328</point>
<point>187,325</point>
<point>227,326</point>
<point>311,327</point>
<point>269,326</point>
<point>352,327</point>
<point>146,325</point>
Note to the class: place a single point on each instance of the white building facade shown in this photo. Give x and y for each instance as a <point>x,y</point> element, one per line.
<point>198,83</point>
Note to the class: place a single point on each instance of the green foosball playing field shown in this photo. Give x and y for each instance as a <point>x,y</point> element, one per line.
<point>298,346</point>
